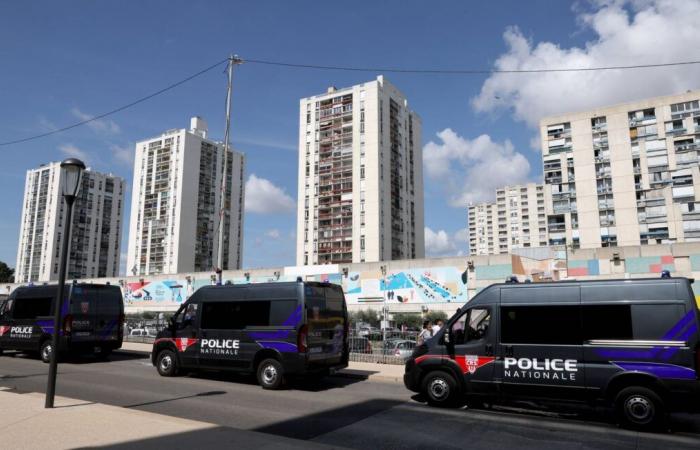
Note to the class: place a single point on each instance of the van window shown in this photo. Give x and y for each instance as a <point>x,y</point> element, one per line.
<point>239,315</point>
<point>607,322</point>
<point>109,301</point>
<point>555,325</point>
<point>30,308</point>
<point>324,302</point>
<point>477,322</point>
<point>627,322</point>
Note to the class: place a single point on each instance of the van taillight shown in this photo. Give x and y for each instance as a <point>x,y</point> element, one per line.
<point>67,324</point>
<point>301,344</point>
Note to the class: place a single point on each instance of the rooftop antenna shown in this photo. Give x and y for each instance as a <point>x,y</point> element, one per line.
<point>232,60</point>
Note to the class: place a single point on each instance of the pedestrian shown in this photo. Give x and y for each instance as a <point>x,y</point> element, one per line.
<point>438,324</point>
<point>425,334</point>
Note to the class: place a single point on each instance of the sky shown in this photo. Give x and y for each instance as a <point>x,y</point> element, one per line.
<point>62,62</point>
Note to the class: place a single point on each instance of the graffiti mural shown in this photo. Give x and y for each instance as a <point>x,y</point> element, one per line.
<point>433,285</point>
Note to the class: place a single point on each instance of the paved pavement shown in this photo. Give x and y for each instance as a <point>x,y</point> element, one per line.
<point>342,411</point>
<point>25,424</point>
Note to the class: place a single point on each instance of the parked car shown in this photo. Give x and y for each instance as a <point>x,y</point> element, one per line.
<point>142,332</point>
<point>360,345</point>
<point>630,344</point>
<point>402,348</point>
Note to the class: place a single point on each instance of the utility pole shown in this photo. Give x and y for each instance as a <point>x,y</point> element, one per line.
<point>232,60</point>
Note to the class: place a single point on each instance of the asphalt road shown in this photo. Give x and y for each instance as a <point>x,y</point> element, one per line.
<point>339,411</point>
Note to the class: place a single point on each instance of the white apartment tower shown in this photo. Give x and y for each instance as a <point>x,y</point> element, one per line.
<point>516,220</point>
<point>175,204</point>
<point>625,174</point>
<point>360,176</point>
<point>95,230</point>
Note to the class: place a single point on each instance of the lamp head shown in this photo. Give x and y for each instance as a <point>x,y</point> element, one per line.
<point>72,169</point>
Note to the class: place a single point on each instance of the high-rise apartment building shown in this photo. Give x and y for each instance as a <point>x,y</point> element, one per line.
<point>360,176</point>
<point>516,220</point>
<point>176,201</point>
<point>95,230</point>
<point>624,174</point>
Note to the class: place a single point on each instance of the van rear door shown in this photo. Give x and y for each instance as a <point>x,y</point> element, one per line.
<point>108,312</point>
<point>326,316</point>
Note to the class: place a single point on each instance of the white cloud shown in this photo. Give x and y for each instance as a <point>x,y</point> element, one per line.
<point>73,151</point>
<point>263,197</point>
<point>122,155</point>
<point>627,33</point>
<point>471,170</point>
<point>104,126</point>
<point>273,233</point>
<point>440,243</point>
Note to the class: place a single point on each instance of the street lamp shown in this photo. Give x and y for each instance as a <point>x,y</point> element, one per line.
<point>71,173</point>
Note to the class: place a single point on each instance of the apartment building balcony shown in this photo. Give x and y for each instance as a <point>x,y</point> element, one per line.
<point>557,227</point>
<point>603,174</point>
<point>598,127</point>
<point>637,170</point>
<point>687,147</point>
<point>553,180</point>
<point>607,222</point>
<point>645,120</point>
<point>604,190</point>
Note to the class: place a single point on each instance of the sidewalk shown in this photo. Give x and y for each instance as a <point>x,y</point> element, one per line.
<point>25,424</point>
<point>375,372</point>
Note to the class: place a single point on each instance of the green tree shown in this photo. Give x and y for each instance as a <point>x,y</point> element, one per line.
<point>435,315</point>
<point>7,273</point>
<point>413,320</point>
<point>367,316</point>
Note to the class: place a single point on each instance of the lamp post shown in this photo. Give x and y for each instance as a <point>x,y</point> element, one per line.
<point>71,173</point>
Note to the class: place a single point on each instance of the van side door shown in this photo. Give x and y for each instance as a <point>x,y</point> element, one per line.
<point>186,333</point>
<point>470,343</point>
<point>541,344</point>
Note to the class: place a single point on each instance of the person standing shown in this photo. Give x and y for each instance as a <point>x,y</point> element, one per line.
<point>425,334</point>
<point>438,324</point>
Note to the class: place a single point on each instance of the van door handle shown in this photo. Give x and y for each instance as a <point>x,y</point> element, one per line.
<point>488,350</point>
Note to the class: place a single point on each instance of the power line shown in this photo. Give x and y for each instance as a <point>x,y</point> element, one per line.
<point>121,108</point>
<point>466,71</point>
<point>348,68</point>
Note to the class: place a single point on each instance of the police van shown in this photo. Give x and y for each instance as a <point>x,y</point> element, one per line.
<point>274,330</point>
<point>92,317</point>
<point>630,344</point>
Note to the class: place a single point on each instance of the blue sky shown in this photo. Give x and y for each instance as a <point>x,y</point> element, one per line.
<point>65,60</point>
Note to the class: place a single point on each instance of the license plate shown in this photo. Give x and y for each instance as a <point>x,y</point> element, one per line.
<point>316,350</point>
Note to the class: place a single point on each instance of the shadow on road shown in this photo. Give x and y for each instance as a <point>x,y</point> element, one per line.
<point>309,384</point>
<point>313,425</point>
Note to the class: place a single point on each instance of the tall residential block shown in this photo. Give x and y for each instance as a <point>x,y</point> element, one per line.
<point>625,174</point>
<point>516,220</point>
<point>95,230</point>
<point>360,176</point>
<point>176,201</point>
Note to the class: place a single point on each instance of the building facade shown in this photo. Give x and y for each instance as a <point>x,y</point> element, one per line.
<point>176,202</point>
<point>516,220</point>
<point>624,175</point>
<point>360,194</point>
<point>95,230</point>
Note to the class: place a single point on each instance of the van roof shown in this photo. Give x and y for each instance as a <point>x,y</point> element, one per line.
<point>615,281</point>
<point>277,284</point>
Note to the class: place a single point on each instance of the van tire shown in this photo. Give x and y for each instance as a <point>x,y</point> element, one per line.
<point>166,363</point>
<point>270,374</point>
<point>440,389</point>
<point>45,351</point>
<point>640,408</point>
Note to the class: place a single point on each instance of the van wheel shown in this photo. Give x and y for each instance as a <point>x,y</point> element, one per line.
<point>46,351</point>
<point>270,374</point>
<point>440,388</point>
<point>166,363</point>
<point>640,408</point>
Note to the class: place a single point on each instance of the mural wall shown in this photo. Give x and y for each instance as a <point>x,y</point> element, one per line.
<point>449,281</point>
